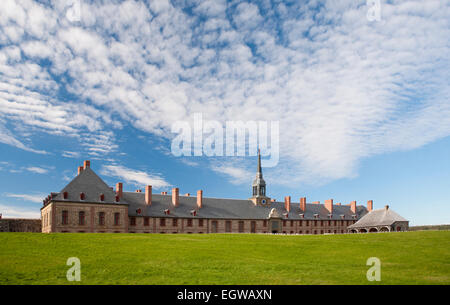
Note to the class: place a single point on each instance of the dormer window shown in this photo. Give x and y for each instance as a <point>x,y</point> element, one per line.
<point>354,216</point>
<point>167,211</point>
<point>65,195</point>
<point>102,197</point>
<point>286,215</point>
<point>193,212</point>
<point>82,196</point>
<point>316,216</point>
<point>117,198</point>
<point>342,216</point>
<point>301,215</point>
<point>330,216</point>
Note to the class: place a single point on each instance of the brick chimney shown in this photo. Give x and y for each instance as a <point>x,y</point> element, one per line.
<point>86,164</point>
<point>287,203</point>
<point>119,189</point>
<point>303,204</point>
<point>80,169</point>
<point>370,205</point>
<point>175,196</point>
<point>199,199</point>
<point>353,206</point>
<point>329,205</point>
<point>148,195</point>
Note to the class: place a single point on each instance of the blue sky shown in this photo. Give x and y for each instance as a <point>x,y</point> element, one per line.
<point>363,106</point>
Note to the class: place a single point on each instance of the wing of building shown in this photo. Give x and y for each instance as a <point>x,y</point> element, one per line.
<point>88,204</point>
<point>382,220</point>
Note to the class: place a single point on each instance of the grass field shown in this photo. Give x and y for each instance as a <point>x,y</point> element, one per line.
<point>406,258</point>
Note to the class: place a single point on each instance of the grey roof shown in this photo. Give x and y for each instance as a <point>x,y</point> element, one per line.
<point>381,217</point>
<point>91,185</point>
<point>228,208</point>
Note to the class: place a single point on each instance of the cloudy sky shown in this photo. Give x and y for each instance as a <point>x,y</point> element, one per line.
<point>363,105</point>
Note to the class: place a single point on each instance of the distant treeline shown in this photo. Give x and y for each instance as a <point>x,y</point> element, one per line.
<point>430,227</point>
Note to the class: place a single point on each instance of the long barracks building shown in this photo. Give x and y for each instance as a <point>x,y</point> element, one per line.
<point>87,204</point>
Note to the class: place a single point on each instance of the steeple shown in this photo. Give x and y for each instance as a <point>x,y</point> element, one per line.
<point>259,185</point>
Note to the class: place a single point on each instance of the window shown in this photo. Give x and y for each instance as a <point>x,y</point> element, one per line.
<point>146,221</point>
<point>228,226</point>
<point>263,190</point>
<point>241,226</point>
<point>81,218</point>
<point>200,222</point>
<point>101,218</point>
<point>307,223</point>
<point>65,195</point>
<point>321,223</point>
<point>292,223</point>
<point>174,222</point>
<point>189,222</point>
<point>253,227</point>
<point>65,217</point>
<point>284,222</point>
<point>254,191</point>
<point>265,223</point>
<point>116,219</point>
<point>132,221</point>
<point>162,222</point>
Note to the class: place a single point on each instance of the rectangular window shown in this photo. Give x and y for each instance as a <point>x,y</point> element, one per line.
<point>265,223</point>
<point>228,226</point>
<point>214,226</point>
<point>175,222</point>
<point>101,218</point>
<point>189,222</point>
<point>146,221</point>
<point>200,222</point>
<point>292,223</point>
<point>132,221</point>
<point>116,219</point>
<point>162,222</point>
<point>65,217</point>
<point>241,226</point>
<point>81,218</point>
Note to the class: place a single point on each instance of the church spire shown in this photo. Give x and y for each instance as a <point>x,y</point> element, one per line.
<point>259,170</point>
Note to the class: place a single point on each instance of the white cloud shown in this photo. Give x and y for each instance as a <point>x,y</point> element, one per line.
<point>343,88</point>
<point>37,170</point>
<point>235,174</point>
<point>27,197</point>
<point>9,211</point>
<point>135,177</point>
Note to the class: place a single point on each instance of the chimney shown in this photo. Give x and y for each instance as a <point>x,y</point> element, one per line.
<point>187,194</point>
<point>338,203</point>
<point>148,195</point>
<point>303,204</point>
<point>87,164</point>
<point>353,206</point>
<point>199,199</point>
<point>119,189</point>
<point>80,169</point>
<point>287,203</point>
<point>175,197</point>
<point>370,205</point>
<point>329,205</point>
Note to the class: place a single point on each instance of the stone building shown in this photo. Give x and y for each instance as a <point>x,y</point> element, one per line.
<point>87,204</point>
<point>382,220</point>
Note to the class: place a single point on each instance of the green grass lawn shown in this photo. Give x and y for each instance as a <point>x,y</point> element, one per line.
<point>406,258</point>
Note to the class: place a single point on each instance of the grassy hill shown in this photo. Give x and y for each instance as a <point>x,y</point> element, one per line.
<point>406,258</point>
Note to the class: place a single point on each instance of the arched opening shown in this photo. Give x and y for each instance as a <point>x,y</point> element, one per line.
<point>399,229</point>
<point>353,231</point>
<point>274,231</point>
<point>373,230</point>
<point>384,229</point>
<point>362,231</point>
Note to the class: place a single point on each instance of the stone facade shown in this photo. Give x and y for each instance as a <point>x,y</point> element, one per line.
<point>20,225</point>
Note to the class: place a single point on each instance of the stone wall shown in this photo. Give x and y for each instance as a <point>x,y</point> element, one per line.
<point>20,225</point>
